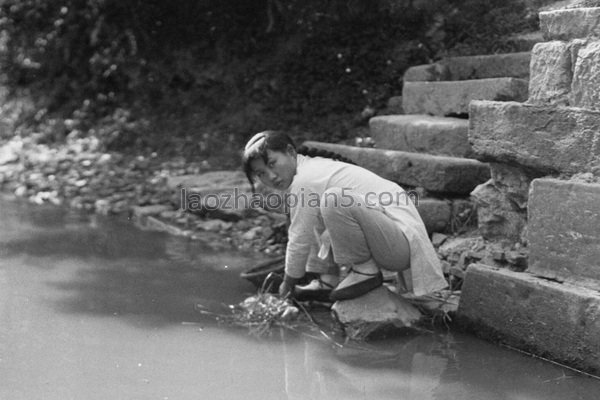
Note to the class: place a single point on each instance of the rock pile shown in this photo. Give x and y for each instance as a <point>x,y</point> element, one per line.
<point>81,176</point>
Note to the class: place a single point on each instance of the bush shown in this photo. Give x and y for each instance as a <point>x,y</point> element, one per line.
<point>236,65</point>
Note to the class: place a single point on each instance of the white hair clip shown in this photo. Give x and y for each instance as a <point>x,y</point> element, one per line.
<point>254,143</point>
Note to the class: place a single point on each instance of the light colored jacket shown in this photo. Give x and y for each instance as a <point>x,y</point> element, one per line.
<point>314,176</point>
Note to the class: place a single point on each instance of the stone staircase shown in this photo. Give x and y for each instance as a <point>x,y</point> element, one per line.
<point>427,147</point>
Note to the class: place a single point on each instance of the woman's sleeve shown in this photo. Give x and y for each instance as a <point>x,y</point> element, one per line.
<point>301,238</point>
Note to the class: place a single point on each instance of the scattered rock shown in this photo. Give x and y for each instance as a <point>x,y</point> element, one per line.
<point>213,225</point>
<point>517,258</point>
<point>457,272</point>
<point>453,247</point>
<point>102,206</point>
<point>252,233</point>
<point>80,174</point>
<point>498,255</point>
<point>457,253</point>
<point>144,211</point>
<point>9,153</point>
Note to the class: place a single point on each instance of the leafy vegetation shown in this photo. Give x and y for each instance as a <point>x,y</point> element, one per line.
<point>192,76</point>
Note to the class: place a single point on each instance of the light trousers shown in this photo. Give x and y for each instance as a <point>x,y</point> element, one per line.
<point>360,232</point>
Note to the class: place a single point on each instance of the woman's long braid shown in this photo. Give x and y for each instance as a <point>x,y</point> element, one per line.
<point>314,152</point>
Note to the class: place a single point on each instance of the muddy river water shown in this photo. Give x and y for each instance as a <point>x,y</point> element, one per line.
<point>94,308</point>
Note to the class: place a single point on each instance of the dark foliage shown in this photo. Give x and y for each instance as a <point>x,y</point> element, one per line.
<point>234,66</point>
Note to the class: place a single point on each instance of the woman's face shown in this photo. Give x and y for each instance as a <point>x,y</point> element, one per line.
<point>279,170</point>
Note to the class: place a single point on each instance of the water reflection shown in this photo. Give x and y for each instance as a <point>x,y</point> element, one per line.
<point>426,367</point>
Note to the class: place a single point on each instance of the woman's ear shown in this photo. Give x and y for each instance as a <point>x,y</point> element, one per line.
<point>291,151</point>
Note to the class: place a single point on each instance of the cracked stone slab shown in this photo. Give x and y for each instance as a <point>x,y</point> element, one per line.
<point>564,231</point>
<point>549,319</point>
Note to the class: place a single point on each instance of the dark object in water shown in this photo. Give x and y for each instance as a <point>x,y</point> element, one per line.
<point>268,275</point>
<point>258,273</point>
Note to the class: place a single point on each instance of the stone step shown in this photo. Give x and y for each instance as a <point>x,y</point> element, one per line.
<point>434,173</point>
<point>453,98</point>
<point>564,231</point>
<point>422,134</point>
<point>515,65</point>
<point>552,320</point>
<point>525,41</point>
<point>572,23</point>
<point>543,138</point>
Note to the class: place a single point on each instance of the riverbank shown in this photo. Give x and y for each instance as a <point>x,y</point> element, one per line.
<point>78,174</point>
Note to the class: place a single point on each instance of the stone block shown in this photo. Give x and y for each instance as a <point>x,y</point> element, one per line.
<point>453,98</point>
<point>551,73</point>
<point>496,217</point>
<point>542,138</point>
<point>433,173</point>
<point>436,214</point>
<point>515,65</point>
<point>552,320</point>
<point>564,231</point>
<point>585,90</point>
<point>570,23</point>
<point>376,313</point>
<point>421,134</point>
<point>502,202</point>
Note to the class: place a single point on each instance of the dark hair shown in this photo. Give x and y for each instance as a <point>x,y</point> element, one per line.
<point>258,145</point>
<point>313,152</point>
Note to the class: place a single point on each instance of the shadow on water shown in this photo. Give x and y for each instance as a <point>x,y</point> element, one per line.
<point>108,267</point>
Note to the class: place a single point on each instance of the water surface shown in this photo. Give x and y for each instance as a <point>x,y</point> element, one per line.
<point>93,308</point>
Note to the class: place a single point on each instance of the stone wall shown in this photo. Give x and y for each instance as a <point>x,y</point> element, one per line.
<point>555,132</point>
<point>544,190</point>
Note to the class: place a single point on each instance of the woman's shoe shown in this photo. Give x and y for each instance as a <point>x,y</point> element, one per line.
<point>345,291</point>
<point>316,290</point>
